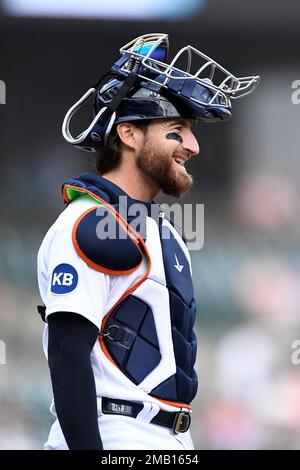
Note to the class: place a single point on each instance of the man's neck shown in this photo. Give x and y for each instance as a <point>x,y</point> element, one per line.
<point>134,183</point>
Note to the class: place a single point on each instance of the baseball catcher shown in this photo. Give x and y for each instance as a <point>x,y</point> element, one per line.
<point>114,272</point>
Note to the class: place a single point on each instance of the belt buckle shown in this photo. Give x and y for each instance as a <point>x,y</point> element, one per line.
<point>182,422</point>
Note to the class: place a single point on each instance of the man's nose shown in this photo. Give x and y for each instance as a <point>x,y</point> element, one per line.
<point>190,143</point>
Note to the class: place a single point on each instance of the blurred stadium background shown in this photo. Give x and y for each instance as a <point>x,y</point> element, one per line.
<point>247,276</point>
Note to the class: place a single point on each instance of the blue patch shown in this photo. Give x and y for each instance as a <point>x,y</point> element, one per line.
<point>116,254</point>
<point>64,279</point>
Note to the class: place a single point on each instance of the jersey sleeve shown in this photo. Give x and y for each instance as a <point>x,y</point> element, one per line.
<point>66,281</point>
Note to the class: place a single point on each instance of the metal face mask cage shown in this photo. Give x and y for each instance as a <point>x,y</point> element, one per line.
<point>208,86</point>
<point>148,47</point>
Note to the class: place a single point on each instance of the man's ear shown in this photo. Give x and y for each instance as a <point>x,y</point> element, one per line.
<point>129,135</point>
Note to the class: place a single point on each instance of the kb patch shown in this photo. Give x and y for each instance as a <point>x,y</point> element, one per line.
<point>64,279</point>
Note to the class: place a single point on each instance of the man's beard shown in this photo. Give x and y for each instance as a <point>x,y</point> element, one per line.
<point>160,168</point>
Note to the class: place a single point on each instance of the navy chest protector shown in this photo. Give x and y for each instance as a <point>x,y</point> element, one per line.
<point>130,334</point>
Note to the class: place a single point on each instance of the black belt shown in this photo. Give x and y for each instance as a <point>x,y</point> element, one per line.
<point>178,421</point>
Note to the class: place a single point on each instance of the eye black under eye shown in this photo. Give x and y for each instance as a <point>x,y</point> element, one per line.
<point>174,136</point>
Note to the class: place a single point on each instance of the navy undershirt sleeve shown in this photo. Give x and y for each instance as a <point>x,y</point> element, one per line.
<point>71,340</point>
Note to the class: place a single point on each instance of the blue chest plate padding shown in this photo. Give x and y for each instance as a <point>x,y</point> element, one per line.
<point>138,352</point>
<point>183,385</point>
<point>105,243</point>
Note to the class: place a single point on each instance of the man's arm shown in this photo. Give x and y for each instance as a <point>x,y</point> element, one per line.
<point>71,340</point>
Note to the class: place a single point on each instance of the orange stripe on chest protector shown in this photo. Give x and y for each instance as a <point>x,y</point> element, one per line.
<point>173,403</point>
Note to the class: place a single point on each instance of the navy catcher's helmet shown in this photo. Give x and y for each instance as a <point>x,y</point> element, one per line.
<point>143,86</point>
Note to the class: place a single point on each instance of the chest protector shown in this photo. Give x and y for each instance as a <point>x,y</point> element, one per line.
<point>132,339</point>
<point>161,305</point>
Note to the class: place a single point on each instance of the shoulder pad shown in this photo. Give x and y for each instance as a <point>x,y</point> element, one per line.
<point>104,243</point>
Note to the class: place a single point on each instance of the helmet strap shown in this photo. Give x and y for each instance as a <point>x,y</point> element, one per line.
<point>115,102</point>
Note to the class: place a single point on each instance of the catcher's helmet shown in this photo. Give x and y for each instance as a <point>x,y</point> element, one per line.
<point>142,86</point>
